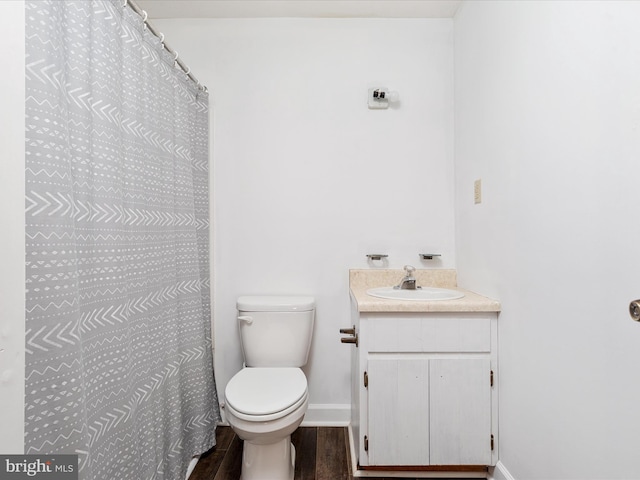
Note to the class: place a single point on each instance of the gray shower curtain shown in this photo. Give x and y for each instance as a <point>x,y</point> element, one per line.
<point>119,365</point>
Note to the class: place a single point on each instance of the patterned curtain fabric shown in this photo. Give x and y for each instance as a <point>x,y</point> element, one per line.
<point>119,363</point>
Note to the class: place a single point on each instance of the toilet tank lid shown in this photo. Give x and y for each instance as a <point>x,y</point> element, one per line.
<point>275,303</point>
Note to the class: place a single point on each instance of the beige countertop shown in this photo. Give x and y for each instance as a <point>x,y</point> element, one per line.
<point>362,280</point>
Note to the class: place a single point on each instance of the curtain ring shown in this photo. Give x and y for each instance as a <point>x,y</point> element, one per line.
<point>144,16</point>
<point>187,71</point>
<point>162,40</point>
<point>175,58</point>
<point>125,3</point>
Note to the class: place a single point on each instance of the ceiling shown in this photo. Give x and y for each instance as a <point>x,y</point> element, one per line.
<point>300,8</point>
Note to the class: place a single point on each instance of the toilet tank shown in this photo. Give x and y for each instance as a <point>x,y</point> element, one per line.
<point>275,331</point>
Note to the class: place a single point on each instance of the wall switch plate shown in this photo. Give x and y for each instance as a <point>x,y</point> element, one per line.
<point>477,191</point>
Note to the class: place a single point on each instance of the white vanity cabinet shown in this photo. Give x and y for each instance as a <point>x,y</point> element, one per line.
<point>424,389</point>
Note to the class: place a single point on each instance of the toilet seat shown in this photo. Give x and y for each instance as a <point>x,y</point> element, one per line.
<point>263,394</point>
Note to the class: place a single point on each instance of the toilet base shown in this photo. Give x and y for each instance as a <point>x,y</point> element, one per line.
<point>275,461</point>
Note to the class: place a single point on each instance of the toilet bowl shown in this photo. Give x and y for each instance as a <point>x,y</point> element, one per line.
<point>264,407</point>
<point>266,401</point>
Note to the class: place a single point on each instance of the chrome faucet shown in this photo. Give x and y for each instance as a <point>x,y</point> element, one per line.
<point>409,281</point>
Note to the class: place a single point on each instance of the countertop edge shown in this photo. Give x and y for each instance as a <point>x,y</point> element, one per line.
<point>471,302</point>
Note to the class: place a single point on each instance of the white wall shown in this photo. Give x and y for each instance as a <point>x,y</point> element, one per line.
<point>12,225</point>
<point>306,180</point>
<point>548,115</point>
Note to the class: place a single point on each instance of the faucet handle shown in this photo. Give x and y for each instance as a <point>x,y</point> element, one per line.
<point>409,269</point>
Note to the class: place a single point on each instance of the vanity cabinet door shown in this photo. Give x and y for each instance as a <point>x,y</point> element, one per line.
<point>429,411</point>
<point>398,411</point>
<point>460,411</point>
<point>423,390</point>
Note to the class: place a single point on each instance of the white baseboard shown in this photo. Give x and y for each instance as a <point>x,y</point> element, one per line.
<point>327,415</point>
<point>500,472</point>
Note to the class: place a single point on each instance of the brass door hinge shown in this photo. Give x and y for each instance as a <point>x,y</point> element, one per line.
<point>492,378</point>
<point>366,380</point>
<point>366,443</point>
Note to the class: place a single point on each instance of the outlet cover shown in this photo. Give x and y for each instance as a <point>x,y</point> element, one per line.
<point>477,191</point>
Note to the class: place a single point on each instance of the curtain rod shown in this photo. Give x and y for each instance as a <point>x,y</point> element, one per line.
<point>134,6</point>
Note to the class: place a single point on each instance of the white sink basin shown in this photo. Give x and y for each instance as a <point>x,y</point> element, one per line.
<point>422,294</point>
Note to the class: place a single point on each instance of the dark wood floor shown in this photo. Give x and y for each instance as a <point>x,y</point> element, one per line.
<point>321,454</point>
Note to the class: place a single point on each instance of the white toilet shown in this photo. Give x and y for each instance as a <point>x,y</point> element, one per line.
<point>267,399</point>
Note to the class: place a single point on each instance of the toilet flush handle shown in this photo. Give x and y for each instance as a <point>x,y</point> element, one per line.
<point>246,318</point>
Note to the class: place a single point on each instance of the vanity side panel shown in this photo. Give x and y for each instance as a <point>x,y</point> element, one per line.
<point>362,328</point>
<point>355,387</point>
<point>495,397</point>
